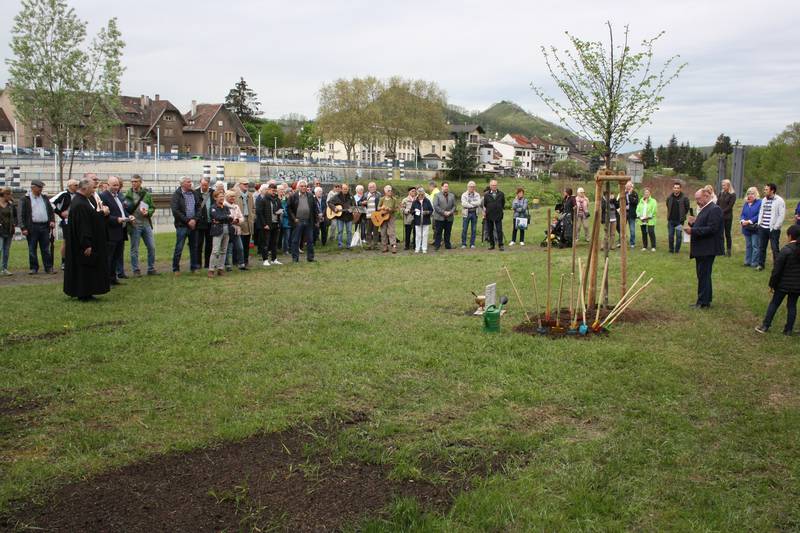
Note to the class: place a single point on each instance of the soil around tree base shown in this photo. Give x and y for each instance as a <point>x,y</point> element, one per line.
<point>267,481</point>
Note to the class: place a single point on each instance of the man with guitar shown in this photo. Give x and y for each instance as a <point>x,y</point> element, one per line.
<point>340,208</point>
<point>370,203</point>
<point>384,218</point>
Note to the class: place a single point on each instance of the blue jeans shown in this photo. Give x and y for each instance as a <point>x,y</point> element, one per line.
<point>344,227</point>
<point>632,230</point>
<point>39,235</point>
<point>305,231</point>
<point>675,233</point>
<point>5,247</point>
<point>751,247</point>
<point>286,239</point>
<point>235,252</point>
<point>145,233</point>
<point>470,219</point>
<point>183,234</point>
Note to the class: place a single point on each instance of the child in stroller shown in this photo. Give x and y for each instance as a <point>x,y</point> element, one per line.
<point>560,233</point>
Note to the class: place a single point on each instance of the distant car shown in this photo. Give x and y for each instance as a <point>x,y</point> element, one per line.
<point>6,149</point>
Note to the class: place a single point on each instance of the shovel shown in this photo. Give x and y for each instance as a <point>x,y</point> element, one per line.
<point>558,329</point>
<point>541,330</point>
<point>573,309</point>
<point>583,329</point>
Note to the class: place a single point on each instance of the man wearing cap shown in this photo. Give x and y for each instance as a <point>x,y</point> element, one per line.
<point>36,220</point>
<point>246,203</point>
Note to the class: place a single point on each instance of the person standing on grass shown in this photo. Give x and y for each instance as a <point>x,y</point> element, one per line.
<point>86,271</point>
<point>519,210</point>
<point>270,222</point>
<point>785,282</point>
<point>444,206</point>
<point>60,203</point>
<point>434,190</point>
<point>118,220</point>
<point>582,203</point>
<point>337,188</point>
<point>220,221</point>
<point>8,220</point>
<point>646,214</point>
<point>369,202</point>
<point>797,214</point>
<point>631,214</point>
<point>203,229</point>
<point>303,215</point>
<point>321,230</point>
<point>285,238</point>
<point>247,205</point>
<point>389,204</point>
<point>677,210</point>
<point>749,223</point>
<point>408,218</point>
<point>494,202</point>
<point>344,222</point>
<point>140,203</point>
<point>726,201</point>
<point>36,220</point>
<point>184,204</point>
<point>471,203</point>
<point>422,208</point>
<point>706,234</point>
<point>360,226</point>
<point>770,220</point>
<point>234,253</point>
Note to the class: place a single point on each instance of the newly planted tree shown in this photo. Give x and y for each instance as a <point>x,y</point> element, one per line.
<point>609,92</point>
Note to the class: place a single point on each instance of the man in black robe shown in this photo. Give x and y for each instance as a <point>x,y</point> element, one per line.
<point>86,264</point>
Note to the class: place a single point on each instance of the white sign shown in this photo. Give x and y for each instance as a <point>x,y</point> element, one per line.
<point>491,294</point>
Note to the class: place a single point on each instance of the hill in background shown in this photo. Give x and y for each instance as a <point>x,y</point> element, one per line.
<point>507,117</point>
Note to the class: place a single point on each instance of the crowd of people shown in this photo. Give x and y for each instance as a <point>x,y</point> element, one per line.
<point>218,225</point>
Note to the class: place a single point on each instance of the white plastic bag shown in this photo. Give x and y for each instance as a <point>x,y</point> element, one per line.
<point>356,239</point>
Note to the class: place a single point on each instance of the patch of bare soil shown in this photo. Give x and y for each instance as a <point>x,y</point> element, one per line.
<point>9,340</point>
<point>630,316</point>
<point>284,481</point>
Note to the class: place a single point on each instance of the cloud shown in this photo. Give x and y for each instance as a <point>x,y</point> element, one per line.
<point>742,76</point>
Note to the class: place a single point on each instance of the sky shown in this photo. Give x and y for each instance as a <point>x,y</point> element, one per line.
<point>742,78</point>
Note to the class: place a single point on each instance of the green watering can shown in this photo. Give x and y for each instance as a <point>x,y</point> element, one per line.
<point>491,317</point>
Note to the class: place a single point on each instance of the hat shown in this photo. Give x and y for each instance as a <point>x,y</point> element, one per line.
<point>244,181</point>
<point>37,183</point>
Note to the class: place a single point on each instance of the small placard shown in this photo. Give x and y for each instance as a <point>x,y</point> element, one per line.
<point>491,294</point>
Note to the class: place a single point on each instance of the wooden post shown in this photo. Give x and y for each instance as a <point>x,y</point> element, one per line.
<point>623,252</point>
<point>592,266</point>
<point>547,298</point>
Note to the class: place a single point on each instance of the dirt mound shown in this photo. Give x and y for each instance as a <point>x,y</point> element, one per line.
<point>282,481</point>
<point>630,316</point>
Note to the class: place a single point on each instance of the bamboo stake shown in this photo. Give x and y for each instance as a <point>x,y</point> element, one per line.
<point>536,298</point>
<point>603,281</point>
<point>636,295</point>
<point>527,316</point>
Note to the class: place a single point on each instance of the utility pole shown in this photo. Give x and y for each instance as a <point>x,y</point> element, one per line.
<point>259,146</point>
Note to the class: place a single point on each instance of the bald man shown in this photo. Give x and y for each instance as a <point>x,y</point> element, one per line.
<point>706,231</point>
<point>117,224</point>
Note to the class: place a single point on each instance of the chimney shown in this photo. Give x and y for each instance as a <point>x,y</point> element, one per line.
<point>144,101</point>
<point>158,97</point>
<point>194,108</point>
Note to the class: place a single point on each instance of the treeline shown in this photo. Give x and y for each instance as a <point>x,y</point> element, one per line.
<point>682,158</point>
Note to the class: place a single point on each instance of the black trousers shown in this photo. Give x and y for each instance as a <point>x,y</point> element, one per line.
<point>245,249</point>
<point>410,235</point>
<point>441,227</point>
<point>116,251</point>
<point>321,233</point>
<point>494,230</point>
<point>705,292</point>
<point>650,231</point>
<point>791,309</point>
<point>271,247</point>
<point>726,224</point>
<point>204,243</point>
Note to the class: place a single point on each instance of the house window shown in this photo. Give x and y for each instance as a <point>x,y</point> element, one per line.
<point>330,146</point>
<point>228,136</point>
<point>168,132</point>
<point>444,148</point>
<point>169,118</point>
<point>433,148</point>
<point>212,135</point>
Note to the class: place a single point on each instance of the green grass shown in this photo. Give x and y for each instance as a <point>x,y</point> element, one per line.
<point>687,422</point>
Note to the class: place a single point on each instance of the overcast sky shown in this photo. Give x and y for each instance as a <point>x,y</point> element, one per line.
<point>743,76</point>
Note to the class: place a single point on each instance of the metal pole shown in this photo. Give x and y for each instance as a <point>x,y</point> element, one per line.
<point>274,149</point>
<point>16,139</point>
<point>158,149</point>
<point>259,146</point>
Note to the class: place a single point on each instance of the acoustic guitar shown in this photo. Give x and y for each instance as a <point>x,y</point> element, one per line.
<point>336,211</point>
<point>379,217</point>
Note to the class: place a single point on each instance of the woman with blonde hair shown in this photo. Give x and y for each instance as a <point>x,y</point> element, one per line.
<point>749,222</point>
<point>235,250</point>
<point>8,219</point>
<point>726,201</point>
<point>582,217</point>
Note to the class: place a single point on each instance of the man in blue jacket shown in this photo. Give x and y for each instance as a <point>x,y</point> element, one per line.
<point>706,231</point>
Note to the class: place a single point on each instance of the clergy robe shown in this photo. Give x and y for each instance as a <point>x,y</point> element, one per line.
<point>85,276</point>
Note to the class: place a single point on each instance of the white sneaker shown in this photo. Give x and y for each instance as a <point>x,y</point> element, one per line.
<point>652,249</point>
<point>644,249</point>
<point>472,246</point>
<point>416,251</point>
<point>511,243</point>
<point>463,246</point>
<point>265,263</point>
<point>522,243</point>
<point>276,262</point>
<point>7,273</point>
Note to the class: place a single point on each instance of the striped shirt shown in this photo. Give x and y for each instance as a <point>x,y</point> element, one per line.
<point>766,212</point>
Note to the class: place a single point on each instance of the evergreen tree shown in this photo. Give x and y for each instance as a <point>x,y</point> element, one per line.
<point>648,155</point>
<point>723,145</point>
<point>462,163</point>
<point>672,152</point>
<point>661,156</point>
<point>243,101</point>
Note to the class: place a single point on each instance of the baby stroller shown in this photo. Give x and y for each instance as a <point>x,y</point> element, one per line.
<point>560,233</point>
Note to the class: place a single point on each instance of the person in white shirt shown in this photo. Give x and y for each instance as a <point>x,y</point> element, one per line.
<point>770,220</point>
<point>471,203</point>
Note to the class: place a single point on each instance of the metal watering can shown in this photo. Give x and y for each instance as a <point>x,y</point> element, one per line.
<point>491,316</point>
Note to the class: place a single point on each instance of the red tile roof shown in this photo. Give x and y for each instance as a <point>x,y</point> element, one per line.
<point>5,124</point>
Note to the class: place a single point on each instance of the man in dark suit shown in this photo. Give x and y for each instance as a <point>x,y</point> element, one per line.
<point>706,230</point>
<point>494,202</point>
<point>118,220</point>
<point>303,218</point>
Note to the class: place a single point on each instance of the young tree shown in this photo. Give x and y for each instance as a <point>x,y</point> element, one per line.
<point>243,101</point>
<point>661,156</point>
<point>462,163</point>
<point>648,155</point>
<point>309,138</point>
<point>346,110</point>
<point>610,92</point>
<point>62,90</point>
<point>272,135</point>
<point>723,145</point>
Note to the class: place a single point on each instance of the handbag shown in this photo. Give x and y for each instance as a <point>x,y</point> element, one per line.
<point>216,230</point>
<point>522,223</point>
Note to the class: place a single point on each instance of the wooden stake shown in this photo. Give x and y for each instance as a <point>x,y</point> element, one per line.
<point>536,298</point>
<point>549,270</point>
<point>573,315</point>
<point>560,292</point>
<point>602,287</point>
<point>593,249</point>
<point>623,252</point>
<point>527,317</point>
<point>580,291</point>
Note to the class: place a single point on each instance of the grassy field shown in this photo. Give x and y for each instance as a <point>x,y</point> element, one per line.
<point>685,421</point>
